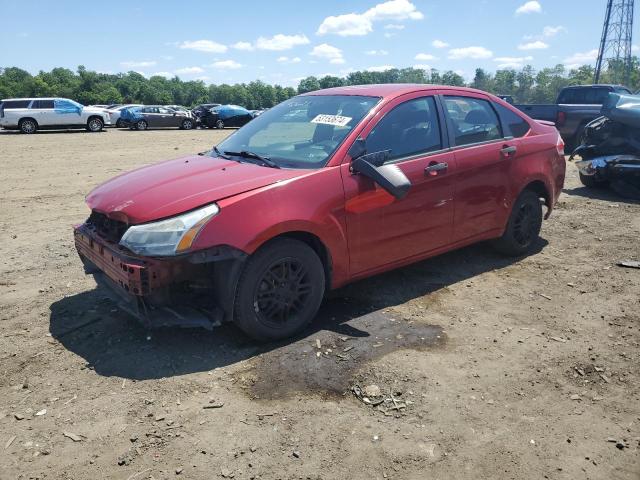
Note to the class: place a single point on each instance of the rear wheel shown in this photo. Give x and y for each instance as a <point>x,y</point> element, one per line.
<point>95,124</point>
<point>119,124</point>
<point>279,291</point>
<point>28,126</point>
<point>219,124</point>
<point>141,125</point>
<point>523,228</point>
<point>187,124</point>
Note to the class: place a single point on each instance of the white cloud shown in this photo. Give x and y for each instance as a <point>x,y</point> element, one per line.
<point>425,57</point>
<point>167,57</point>
<point>422,66</point>
<point>328,52</point>
<point>162,74</point>
<point>189,70</point>
<point>358,24</point>
<point>537,45</point>
<point>376,52</point>
<point>512,62</point>
<point>226,64</point>
<point>529,7</point>
<point>284,59</point>
<point>394,26</point>
<point>579,59</point>
<point>390,34</point>
<point>470,52</point>
<point>635,48</point>
<point>281,42</point>
<point>380,68</point>
<point>349,25</point>
<point>550,31</point>
<point>439,44</point>
<point>131,64</point>
<point>242,46</point>
<point>203,46</point>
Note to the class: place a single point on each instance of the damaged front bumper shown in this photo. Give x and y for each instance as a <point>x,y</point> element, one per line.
<point>192,290</point>
<point>611,167</point>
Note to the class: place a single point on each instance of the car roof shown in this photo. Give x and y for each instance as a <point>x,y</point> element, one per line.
<point>597,85</point>
<point>389,90</point>
<point>33,98</point>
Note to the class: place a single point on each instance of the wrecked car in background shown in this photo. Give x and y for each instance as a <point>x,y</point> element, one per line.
<point>610,147</point>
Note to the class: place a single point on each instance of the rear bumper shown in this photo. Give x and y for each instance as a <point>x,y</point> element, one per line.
<point>193,290</point>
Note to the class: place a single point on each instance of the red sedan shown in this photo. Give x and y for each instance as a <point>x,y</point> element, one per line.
<point>321,190</point>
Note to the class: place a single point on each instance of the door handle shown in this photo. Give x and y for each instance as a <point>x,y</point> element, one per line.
<point>509,151</point>
<point>435,168</point>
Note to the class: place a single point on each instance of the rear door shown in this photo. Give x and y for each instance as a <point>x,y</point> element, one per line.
<point>44,113</point>
<point>483,159</point>
<point>166,117</point>
<point>383,230</point>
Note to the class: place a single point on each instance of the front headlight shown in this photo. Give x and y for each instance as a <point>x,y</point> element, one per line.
<point>168,237</point>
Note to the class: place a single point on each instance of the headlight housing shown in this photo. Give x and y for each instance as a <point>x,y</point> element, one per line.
<point>168,237</point>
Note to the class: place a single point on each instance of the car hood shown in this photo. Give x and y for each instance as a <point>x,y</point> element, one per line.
<point>176,186</point>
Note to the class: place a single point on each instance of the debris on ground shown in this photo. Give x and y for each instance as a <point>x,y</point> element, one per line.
<point>630,264</point>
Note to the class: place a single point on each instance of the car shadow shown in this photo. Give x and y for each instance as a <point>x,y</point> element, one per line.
<point>114,344</point>
<point>602,192</point>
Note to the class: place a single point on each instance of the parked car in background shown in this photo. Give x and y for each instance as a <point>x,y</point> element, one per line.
<point>157,116</point>
<point>371,178</point>
<point>574,108</point>
<point>256,113</point>
<point>226,116</point>
<point>200,110</point>
<point>507,98</point>
<point>32,114</point>
<point>116,112</point>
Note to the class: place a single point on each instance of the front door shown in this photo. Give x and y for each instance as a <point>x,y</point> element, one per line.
<point>381,229</point>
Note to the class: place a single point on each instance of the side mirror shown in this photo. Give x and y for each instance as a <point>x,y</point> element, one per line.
<point>358,148</point>
<point>389,177</point>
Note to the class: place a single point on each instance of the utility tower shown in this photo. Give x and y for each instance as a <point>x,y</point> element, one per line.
<point>617,37</point>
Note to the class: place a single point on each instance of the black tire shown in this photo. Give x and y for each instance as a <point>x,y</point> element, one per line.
<point>119,124</point>
<point>523,227</point>
<point>187,124</point>
<point>279,291</point>
<point>95,124</point>
<point>141,125</point>
<point>28,126</point>
<point>219,124</point>
<point>589,180</point>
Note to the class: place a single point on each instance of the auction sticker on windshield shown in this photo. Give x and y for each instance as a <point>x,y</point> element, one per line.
<point>337,120</point>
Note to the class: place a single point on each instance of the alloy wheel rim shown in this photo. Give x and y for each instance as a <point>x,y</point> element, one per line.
<point>28,127</point>
<point>142,126</point>
<point>282,293</point>
<point>94,125</point>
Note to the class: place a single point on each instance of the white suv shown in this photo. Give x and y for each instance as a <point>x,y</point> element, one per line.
<point>30,114</point>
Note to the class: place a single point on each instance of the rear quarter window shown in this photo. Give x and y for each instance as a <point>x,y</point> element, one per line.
<point>513,125</point>
<point>15,104</point>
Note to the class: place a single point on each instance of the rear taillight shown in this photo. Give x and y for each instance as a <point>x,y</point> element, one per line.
<point>560,146</point>
<point>561,118</point>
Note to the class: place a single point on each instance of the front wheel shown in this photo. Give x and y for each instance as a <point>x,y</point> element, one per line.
<point>523,228</point>
<point>279,291</point>
<point>95,125</point>
<point>220,124</point>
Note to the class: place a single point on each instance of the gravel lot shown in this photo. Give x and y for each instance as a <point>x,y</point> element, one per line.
<point>498,368</point>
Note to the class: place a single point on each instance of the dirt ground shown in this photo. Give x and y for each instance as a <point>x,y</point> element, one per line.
<point>490,367</point>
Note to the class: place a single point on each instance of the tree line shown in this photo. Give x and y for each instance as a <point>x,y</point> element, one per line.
<point>88,87</point>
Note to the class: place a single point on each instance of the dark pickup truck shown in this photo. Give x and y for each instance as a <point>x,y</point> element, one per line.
<point>576,106</point>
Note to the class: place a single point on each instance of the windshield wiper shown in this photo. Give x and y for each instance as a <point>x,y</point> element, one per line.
<point>220,154</point>
<point>245,154</point>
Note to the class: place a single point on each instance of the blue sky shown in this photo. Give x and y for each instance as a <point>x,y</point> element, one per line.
<point>281,41</point>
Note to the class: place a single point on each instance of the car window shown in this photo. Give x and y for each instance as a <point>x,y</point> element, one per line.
<point>409,129</point>
<point>512,123</point>
<point>42,104</point>
<point>473,120</point>
<point>622,90</point>
<point>302,132</point>
<point>7,104</point>
<point>164,110</point>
